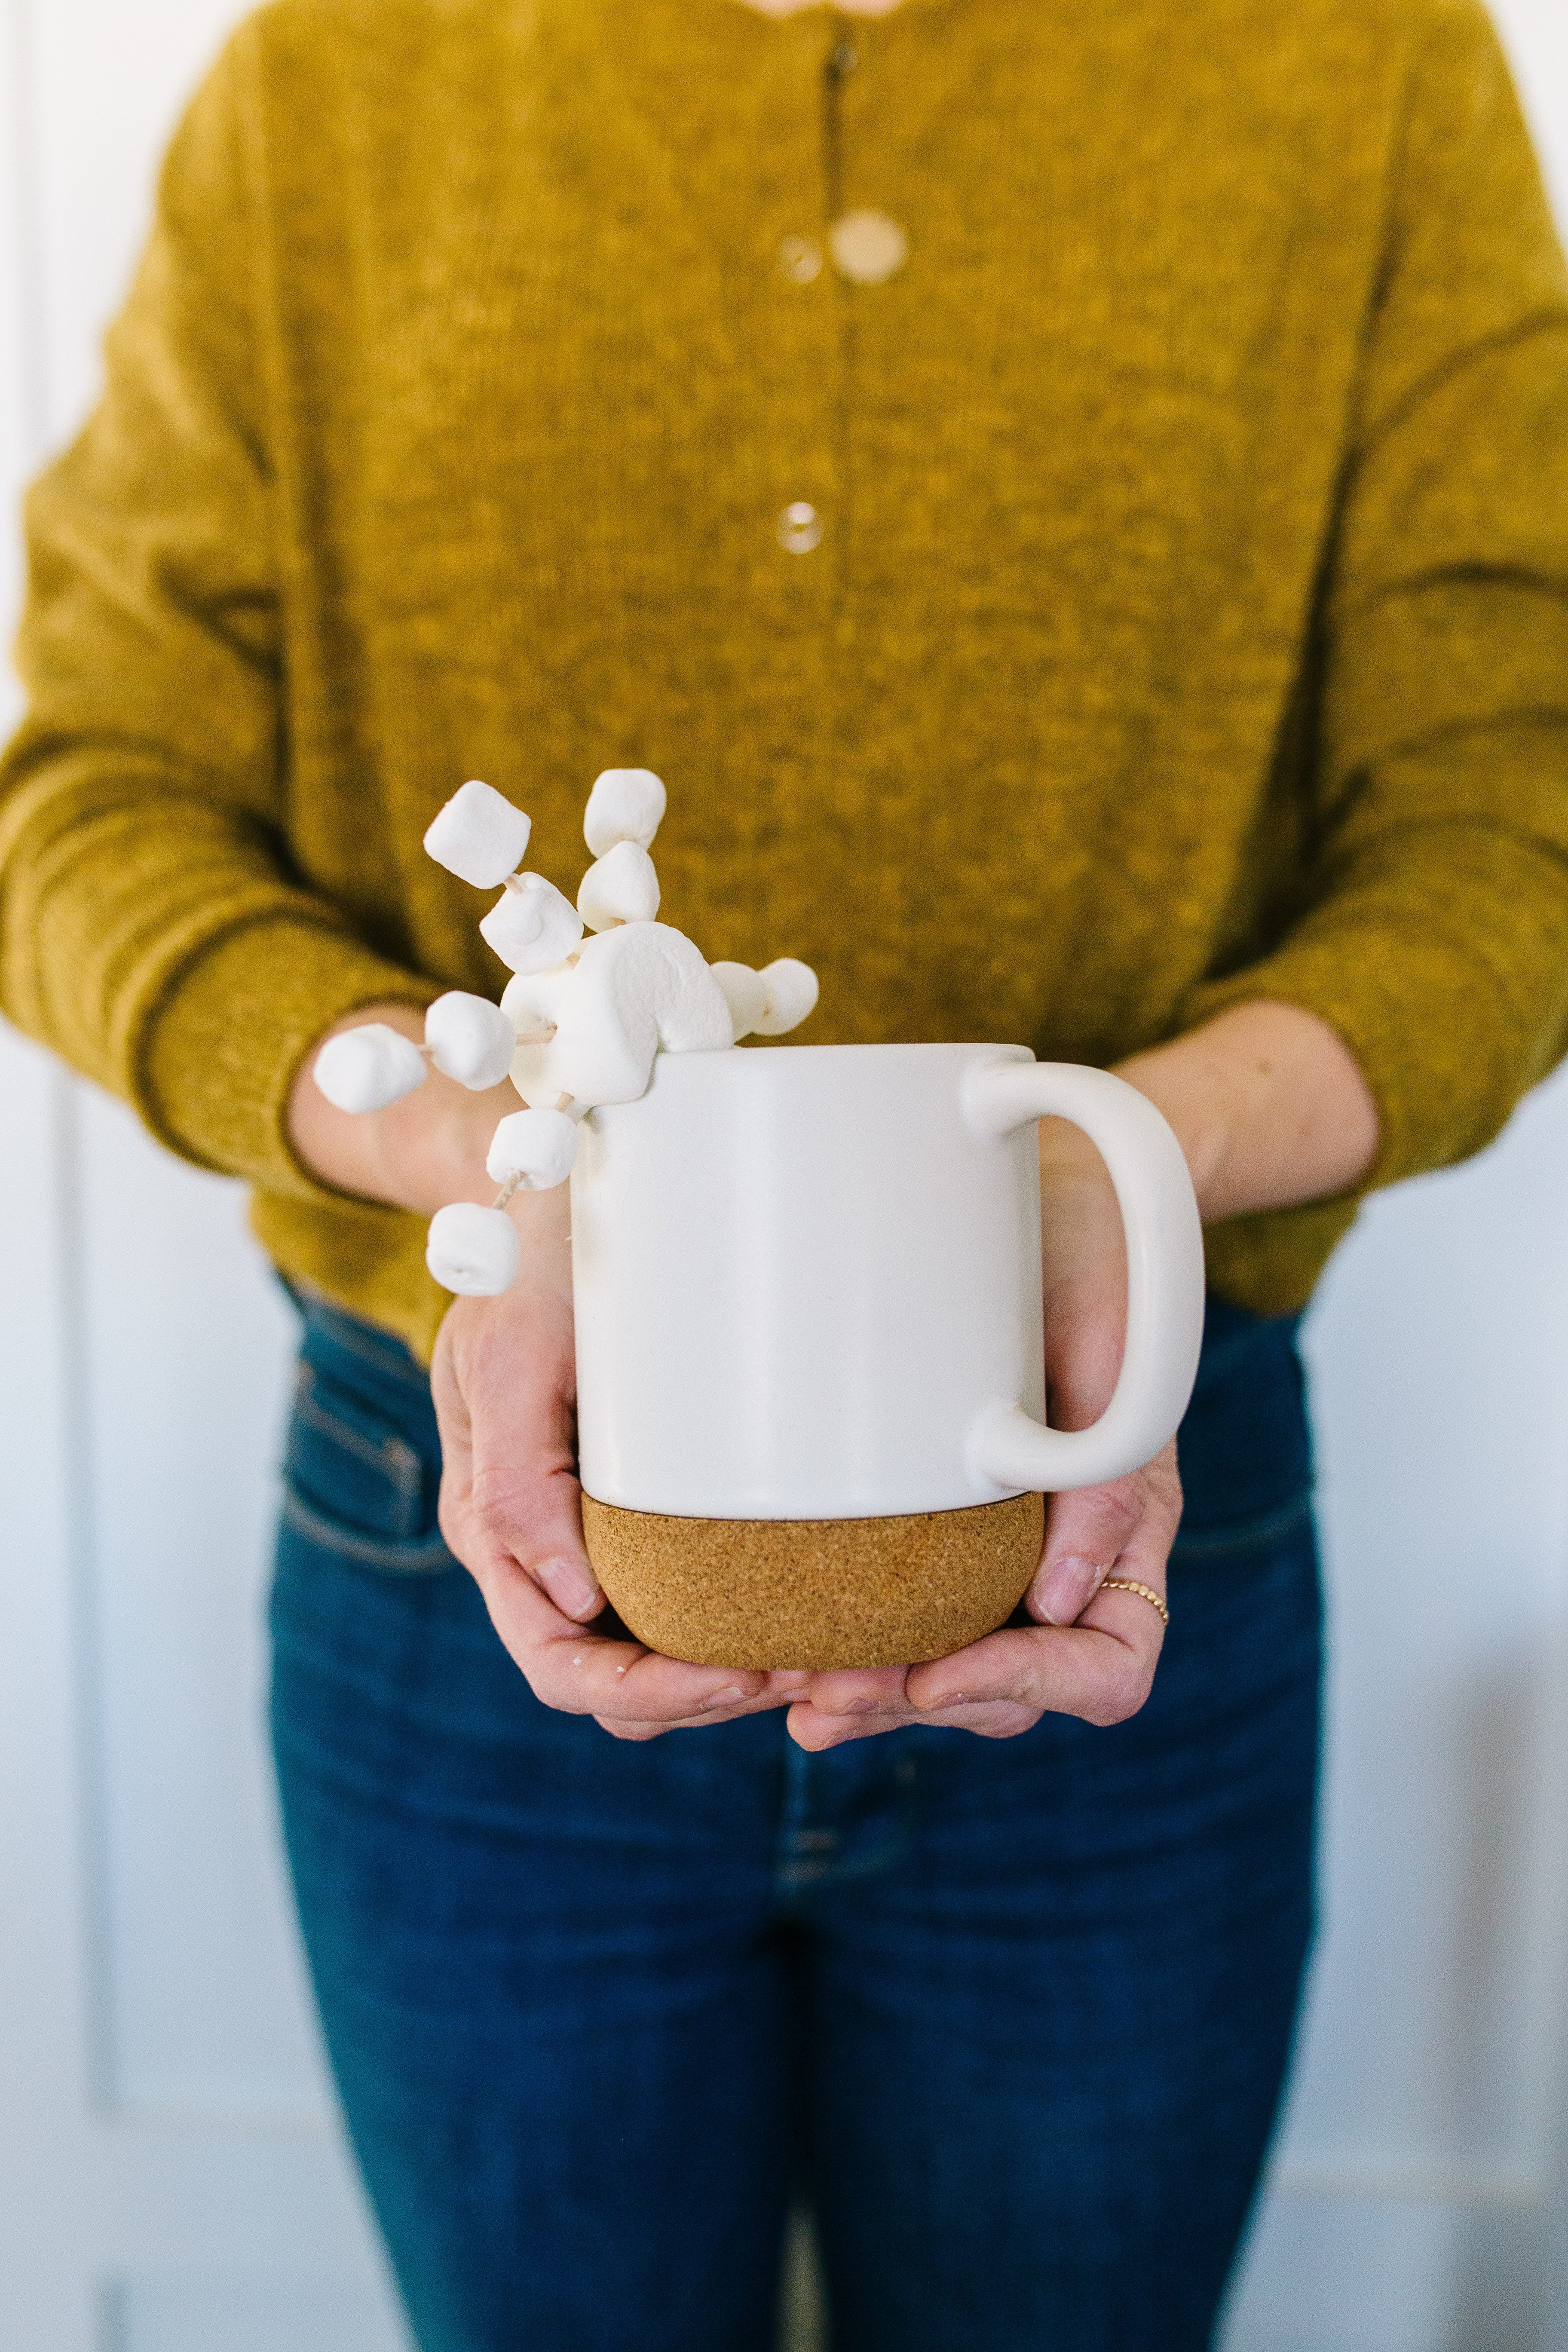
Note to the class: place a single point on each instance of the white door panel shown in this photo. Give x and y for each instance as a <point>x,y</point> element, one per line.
<point>171,2174</point>
<point>185,1335</point>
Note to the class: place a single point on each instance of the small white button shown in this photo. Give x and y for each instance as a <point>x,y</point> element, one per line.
<point>799,529</point>
<point>800,258</point>
<point>867,247</point>
<point>845,57</point>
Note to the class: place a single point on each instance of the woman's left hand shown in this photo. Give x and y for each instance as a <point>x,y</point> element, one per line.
<point>1096,1661</point>
<point>1270,1108</point>
<point>1089,1653</point>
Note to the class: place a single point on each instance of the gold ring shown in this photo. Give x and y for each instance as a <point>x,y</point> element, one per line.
<point>1125,1584</point>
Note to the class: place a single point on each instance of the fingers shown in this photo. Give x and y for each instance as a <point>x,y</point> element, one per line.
<point>628,1687</point>
<point>855,1691</point>
<point>1085,1533</point>
<point>511,1509</point>
<point>502,1382</point>
<point>813,1728</point>
<point>1102,1674</point>
<point>1094,1657</point>
<point>781,1690</point>
<point>1096,1531</point>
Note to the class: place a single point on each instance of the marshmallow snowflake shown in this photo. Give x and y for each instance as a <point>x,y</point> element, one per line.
<point>582,1020</point>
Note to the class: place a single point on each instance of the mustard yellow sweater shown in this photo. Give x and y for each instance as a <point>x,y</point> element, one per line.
<point>1189,621</point>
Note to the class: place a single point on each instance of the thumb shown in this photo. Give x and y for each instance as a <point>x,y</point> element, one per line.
<point>509,1497</point>
<point>1085,1528</point>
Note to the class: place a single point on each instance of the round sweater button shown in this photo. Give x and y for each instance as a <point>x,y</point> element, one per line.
<point>800,258</point>
<point>868,247</point>
<point>799,529</point>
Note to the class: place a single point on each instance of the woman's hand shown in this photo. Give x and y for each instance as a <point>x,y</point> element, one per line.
<point>1270,1108</point>
<point>503,1379</point>
<point>1091,1652</point>
<point>504,1384</point>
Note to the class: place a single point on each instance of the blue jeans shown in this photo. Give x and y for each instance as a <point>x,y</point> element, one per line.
<point>1014,2014</point>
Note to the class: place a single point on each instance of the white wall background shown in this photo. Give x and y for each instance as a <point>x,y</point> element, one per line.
<point>171,2178</point>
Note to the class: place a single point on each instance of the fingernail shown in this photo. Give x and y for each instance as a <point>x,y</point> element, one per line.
<point>730,1697</point>
<point>1067,1589</point>
<point>954,1698</point>
<point>571,1588</point>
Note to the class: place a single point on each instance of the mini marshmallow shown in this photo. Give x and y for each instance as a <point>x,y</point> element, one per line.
<point>470,1039</point>
<point>367,1069</point>
<point>532,925</point>
<point>633,989</point>
<point>791,994</point>
<point>479,836</point>
<point>472,1251</point>
<point>626,804</point>
<point>745,993</point>
<point>623,888</point>
<point>534,1147</point>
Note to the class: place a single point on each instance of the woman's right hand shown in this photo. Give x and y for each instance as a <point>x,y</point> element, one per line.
<point>504,1382</point>
<point>503,1379</point>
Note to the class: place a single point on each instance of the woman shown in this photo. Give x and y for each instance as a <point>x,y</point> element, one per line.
<point>1075,502</point>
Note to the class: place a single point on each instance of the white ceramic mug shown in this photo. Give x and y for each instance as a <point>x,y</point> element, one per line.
<point>808,1283</point>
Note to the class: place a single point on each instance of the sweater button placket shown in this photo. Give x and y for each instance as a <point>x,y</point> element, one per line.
<point>867,246</point>
<point>803,519</point>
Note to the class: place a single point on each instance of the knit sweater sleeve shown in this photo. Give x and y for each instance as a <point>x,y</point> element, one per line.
<point>1432,931</point>
<point>151,930</point>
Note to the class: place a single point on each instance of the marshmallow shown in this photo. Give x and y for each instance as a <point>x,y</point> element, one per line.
<point>532,925</point>
<point>621,888</point>
<point>479,836</point>
<point>472,1251</point>
<point>470,1039</point>
<point>626,804</point>
<point>367,1069</point>
<point>534,1147</point>
<point>791,994</point>
<point>745,992</point>
<point>632,991</point>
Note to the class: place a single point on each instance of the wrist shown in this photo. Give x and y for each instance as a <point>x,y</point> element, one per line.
<point>1268,1104</point>
<point>418,1153</point>
<point>1196,1094</point>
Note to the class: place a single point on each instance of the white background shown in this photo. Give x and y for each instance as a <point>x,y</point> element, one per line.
<point>171,2178</point>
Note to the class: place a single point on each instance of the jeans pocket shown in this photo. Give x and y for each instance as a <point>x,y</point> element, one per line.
<point>353,1484</point>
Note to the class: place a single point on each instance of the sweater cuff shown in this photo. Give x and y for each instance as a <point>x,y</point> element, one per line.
<point>224,1045</point>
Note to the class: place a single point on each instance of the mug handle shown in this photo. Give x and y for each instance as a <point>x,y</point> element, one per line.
<point>1164,1277</point>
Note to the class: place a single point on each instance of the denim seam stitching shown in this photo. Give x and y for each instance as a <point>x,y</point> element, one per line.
<point>393,1456</point>
<point>1253,1532</point>
<point>407,1560</point>
<point>339,1331</point>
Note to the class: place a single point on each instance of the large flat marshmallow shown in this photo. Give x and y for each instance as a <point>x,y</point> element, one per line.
<point>479,836</point>
<point>626,804</point>
<point>745,994</point>
<point>470,1039</point>
<point>367,1069</point>
<point>623,888</point>
<point>532,925</point>
<point>632,991</point>
<point>534,1147</point>
<point>472,1251</point>
<point>791,994</point>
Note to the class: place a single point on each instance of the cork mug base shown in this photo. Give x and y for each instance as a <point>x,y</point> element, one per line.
<point>810,1595</point>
